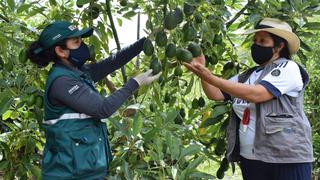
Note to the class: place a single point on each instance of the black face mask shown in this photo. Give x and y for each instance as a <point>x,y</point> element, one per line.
<point>261,54</point>
<point>80,55</point>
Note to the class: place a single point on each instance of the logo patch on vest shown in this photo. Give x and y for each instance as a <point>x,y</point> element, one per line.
<point>73,89</point>
<point>276,72</point>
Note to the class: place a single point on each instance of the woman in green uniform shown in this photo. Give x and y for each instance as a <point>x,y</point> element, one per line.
<point>77,145</point>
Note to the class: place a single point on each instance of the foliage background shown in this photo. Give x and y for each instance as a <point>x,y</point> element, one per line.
<point>167,137</point>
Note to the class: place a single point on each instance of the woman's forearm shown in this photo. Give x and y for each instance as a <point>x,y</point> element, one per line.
<point>113,62</point>
<point>211,91</point>
<point>251,93</point>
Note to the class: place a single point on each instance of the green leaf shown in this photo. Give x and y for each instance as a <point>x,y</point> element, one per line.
<point>150,135</point>
<point>172,114</point>
<point>305,46</point>
<point>312,25</point>
<point>302,57</point>
<point>23,8</point>
<point>137,124</point>
<point>6,100</point>
<point>221,109</point>
<point>200,175</point>
<point>174,171</point>
<point>127,171</point>
<point>305,34</point>
<point>211,121</point>
<point>156,95</point>
<point>254,18</point>
<point>190,150</point>
<point>190,85</point>
<point>4,165</point>
<point>53,2</point>
<point>11,4</point>
<point>82,2</point>
<point>116,123</point>
<point>129,14</point>
<point>195,163</point>
<point>173,143</point>
<point>119,21</point>
<point>6,115</point>
<point>36,171</point>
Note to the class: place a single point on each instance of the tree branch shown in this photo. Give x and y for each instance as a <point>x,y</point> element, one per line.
<point>115,35</point>
<point>4,18</point>
<point>229,23</point>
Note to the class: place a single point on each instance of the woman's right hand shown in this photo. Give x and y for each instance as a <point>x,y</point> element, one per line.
<point>146,78</point>
<point>200,59</point>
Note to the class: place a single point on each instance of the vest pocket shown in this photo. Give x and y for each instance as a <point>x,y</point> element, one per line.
<point>280,132</point>
<point>88,149</point>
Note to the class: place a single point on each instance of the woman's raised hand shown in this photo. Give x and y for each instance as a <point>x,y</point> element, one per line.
<point>197,66</point>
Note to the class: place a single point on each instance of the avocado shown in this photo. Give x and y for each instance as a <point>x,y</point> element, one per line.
<point>94,12</point>
<point>167,98</point>
<point>155,65</point>
<point>195,103</point>
<point>170,50</point>
<point>178,119</point>
<point>213,59</point>
<point>178,14</point>
<point>184,55</point>
<point>188,9</point>
<point>148,48</point>
<point>178,71</point>
<point>224,165</point>
<point>201,102</point>
<point>152,107</point>
<point>217,39</point>
<point>123,2</point>
<point>31,100</point>
<point>228,65</point>
<point>220,147</point>
<point>161,38</point>
<point>189,32</point>
<point>195,49</point>
<point>220,173</point>
<point>198,18</point>
<point>161,80</point>
<point>39,102</point>
<point>182,112</point>
<point>170,21</point>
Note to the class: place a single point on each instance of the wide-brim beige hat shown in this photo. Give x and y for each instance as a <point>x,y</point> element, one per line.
<point>281,29</point>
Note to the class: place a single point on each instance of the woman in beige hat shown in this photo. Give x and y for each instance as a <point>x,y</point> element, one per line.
<point>268,132</point>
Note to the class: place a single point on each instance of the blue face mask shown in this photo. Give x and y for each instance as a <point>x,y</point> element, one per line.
<point>80,55</point>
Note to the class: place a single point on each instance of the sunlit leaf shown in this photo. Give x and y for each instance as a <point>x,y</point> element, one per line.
<point>137,124</point>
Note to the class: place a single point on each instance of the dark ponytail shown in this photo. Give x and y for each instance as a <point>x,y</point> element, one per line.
<point>46,56</point>
<point>284,53</point>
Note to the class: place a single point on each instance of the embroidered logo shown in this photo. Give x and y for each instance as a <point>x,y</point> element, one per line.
<point>276,72</point>
<point>56,37</point>
<point>73,89</point>
<point>72,27</point>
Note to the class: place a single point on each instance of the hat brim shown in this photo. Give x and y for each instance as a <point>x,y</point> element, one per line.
<point>292,38</point>
<point>82,33</point>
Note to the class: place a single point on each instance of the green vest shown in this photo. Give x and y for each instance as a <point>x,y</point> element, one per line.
<point>77,145</point>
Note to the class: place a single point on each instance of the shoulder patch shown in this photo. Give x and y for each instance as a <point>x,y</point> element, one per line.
<point>276,72</point>
<point>73,89</point>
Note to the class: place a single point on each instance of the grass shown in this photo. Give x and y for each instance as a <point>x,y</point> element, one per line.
<point>211,167</point>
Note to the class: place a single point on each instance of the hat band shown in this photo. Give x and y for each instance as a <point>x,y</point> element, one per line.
<point>258,26</point>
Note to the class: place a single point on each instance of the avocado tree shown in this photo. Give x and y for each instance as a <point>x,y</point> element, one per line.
<point>167,129</point>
